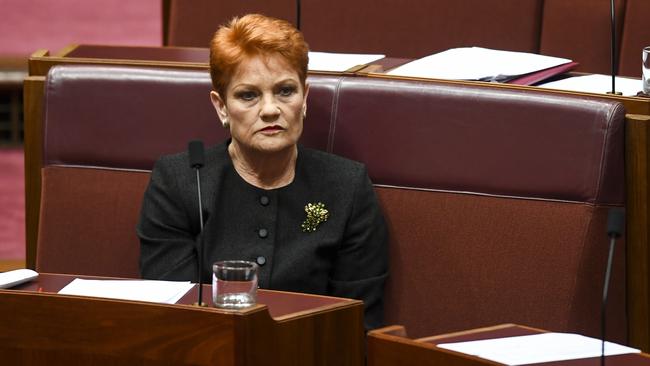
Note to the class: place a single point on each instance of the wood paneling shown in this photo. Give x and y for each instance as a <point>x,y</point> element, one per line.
<point>638,206</point>
<point>8,265</point>
<point>33,96</point>
<point>39,328</point>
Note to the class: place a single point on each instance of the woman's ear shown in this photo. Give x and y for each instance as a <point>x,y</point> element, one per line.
<point>304,101</point>
<point>219,105</point>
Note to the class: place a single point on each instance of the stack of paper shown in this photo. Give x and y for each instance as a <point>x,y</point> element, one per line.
<point>597,84</point>
<point>476,63</point>
<point>168,292</point>
<point>538,348</point>
<point>339,62</point>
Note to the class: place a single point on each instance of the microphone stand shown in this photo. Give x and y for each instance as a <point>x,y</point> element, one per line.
<point>197,160</point>
<point>612,12</point>
<point>615,222</point>
<point>298,11</point>
<point>200,243</point>
<point>603,309</point>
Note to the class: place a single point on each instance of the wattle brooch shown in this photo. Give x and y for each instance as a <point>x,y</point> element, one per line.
<point>316,214</point>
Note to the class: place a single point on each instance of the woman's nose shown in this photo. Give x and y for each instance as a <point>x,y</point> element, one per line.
<point>269,109</point>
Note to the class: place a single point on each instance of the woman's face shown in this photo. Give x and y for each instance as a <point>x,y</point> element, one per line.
<point>264,104</point>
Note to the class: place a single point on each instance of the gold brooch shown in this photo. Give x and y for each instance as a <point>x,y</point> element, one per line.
<point>316,214</point>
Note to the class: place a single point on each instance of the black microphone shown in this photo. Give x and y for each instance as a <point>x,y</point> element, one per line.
<point>197,154</point>
<point>615,222</point>
<point>615,225</point>
<point>197,160</point>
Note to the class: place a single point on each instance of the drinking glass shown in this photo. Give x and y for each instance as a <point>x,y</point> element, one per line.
<point>646,70</point>
<point>234,284</point>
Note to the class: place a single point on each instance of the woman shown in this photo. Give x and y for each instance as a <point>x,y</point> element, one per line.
<point>309,219</point>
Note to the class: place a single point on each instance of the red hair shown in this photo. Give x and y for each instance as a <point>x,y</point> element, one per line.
<point>253,35</point>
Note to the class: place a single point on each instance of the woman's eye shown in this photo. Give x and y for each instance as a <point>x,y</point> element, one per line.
<point>286,91</point>
<point>246,95</point>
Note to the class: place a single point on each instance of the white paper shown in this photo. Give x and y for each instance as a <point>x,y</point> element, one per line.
<point>339,62</point>
<point>476,63</point>
<point>544,347</point>
<point>596,84</point>
<point>16,277</point>
<point>168,292</point>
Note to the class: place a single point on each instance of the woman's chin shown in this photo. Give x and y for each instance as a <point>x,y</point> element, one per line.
<point>274,145</point>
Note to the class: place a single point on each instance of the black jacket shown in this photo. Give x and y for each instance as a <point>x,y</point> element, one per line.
<point>345,256</point>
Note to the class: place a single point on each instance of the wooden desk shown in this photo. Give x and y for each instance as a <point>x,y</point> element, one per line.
<point>188,58</point>
<point>174,57</point>
<point>637,152</point>
<point>390,346</point>
<point>633,105</point>
<point>40,327</point>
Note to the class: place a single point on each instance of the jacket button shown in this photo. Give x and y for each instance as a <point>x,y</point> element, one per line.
<point>261,260</point>
<point>264,200</point>
<point>263,233</point>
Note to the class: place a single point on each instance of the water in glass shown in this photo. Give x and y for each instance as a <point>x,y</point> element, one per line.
<point>233,294</point>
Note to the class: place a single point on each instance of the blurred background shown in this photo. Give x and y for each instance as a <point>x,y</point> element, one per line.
<point>30,25</point>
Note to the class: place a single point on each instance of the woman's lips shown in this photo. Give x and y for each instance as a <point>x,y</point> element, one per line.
<point>272,129</point>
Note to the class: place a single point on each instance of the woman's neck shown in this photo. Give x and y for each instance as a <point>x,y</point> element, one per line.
<point>263,169</point>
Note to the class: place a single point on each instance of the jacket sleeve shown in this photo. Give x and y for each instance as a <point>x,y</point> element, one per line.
<point>167,239</point>
<point>361,265</point>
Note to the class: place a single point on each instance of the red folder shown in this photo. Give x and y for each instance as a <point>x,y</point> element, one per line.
<point>537,76</point>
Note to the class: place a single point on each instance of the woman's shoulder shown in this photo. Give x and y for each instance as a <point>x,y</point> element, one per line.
<point>328,164</point>
<point>213,154</point>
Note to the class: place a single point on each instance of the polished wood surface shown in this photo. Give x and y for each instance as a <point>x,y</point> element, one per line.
<point>504,330</point>
<point>390,346</point>
<point>41,327</point>
<point>637,155</point>
<point>187,58</point>
<point>197,58</point>
<point>637,152</point>
<point>282,304</point>
<point>8,265</point>
<point>33,96</point>
<point>633,105</point>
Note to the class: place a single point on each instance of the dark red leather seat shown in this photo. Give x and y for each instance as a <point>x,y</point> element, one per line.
<point>496,202</point>
<point>103,129</point>
<point>496,199</point>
